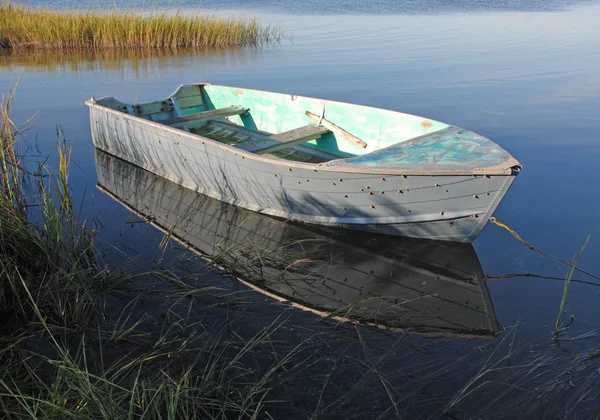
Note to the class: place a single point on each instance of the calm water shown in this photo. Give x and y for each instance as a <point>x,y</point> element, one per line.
<point>526,76</point>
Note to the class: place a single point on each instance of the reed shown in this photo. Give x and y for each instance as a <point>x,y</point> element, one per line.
<point>63,354</point>
<point>532,378</point>
<point>23,28</point>
<point>558,326</point>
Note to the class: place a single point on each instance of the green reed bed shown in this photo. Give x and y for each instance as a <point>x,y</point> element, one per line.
<point>23,28</point>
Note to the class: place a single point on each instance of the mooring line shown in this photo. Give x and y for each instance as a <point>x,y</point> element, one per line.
<point>533,248</point>
<point>536,276</point>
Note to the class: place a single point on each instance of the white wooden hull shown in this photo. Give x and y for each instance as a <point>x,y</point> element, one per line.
<point>443,207</point>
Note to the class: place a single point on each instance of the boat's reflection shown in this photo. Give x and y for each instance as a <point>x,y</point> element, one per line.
<point>395,282</point>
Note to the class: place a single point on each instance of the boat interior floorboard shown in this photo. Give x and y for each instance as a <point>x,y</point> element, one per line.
<point>234,135</point>
<point>199,117</point>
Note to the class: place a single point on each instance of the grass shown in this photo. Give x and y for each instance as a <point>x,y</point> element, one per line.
<point>63,354</point>
<point>23,28</point>
<point>532,380</point>
<point>558,326</point>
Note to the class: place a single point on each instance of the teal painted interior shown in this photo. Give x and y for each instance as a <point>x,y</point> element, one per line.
<point>277,112</point>
<point>403,140</point>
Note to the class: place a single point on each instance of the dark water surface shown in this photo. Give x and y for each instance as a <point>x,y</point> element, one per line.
<point>525,74</point>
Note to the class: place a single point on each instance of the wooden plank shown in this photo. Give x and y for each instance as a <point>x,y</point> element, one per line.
<point>306,133</point>
<point>189,90</point>
<point>190,101</point>
<point>177,112</point>
<point>288,139</point>
<point>142,110</point>
<point>338,131</point>
<point>114,104</point>
<point>257,136</point>
<point>227,125</point>
<point>206,115</point>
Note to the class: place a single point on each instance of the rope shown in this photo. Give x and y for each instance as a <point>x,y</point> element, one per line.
<point>538,276</point>
<point>533,248</point>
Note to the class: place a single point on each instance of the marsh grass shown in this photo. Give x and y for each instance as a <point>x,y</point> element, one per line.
<point>23,28</point>
<point>559,326</point>
<point>532,380</point>
<point>64,354</point>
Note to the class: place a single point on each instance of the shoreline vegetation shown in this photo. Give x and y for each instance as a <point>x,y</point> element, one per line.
<point>28,29</point>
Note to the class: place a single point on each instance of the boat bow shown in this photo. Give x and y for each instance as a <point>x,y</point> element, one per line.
<point>450,150</point>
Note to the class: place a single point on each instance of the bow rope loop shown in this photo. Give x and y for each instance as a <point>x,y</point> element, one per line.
<point>515,234</point>
<point>533,248</point>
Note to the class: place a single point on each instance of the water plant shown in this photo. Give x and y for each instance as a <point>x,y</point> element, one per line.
<point>558,326</point>
<point>23,28</point>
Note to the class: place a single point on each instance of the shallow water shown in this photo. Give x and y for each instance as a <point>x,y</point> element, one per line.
<point>525,76</point>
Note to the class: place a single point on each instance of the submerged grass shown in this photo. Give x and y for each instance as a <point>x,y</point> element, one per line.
<point>23,28</point>
<point>531,380</point>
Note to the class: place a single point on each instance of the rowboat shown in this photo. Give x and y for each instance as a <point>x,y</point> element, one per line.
<point>429,287</point>
<point>313,160</point>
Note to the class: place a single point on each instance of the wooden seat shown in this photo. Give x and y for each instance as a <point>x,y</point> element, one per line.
<point>284,140</point>
<point>204,116</point>
<point>254,138</point>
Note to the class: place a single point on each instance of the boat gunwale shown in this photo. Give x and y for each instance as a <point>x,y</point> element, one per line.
<point>510,167</point>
